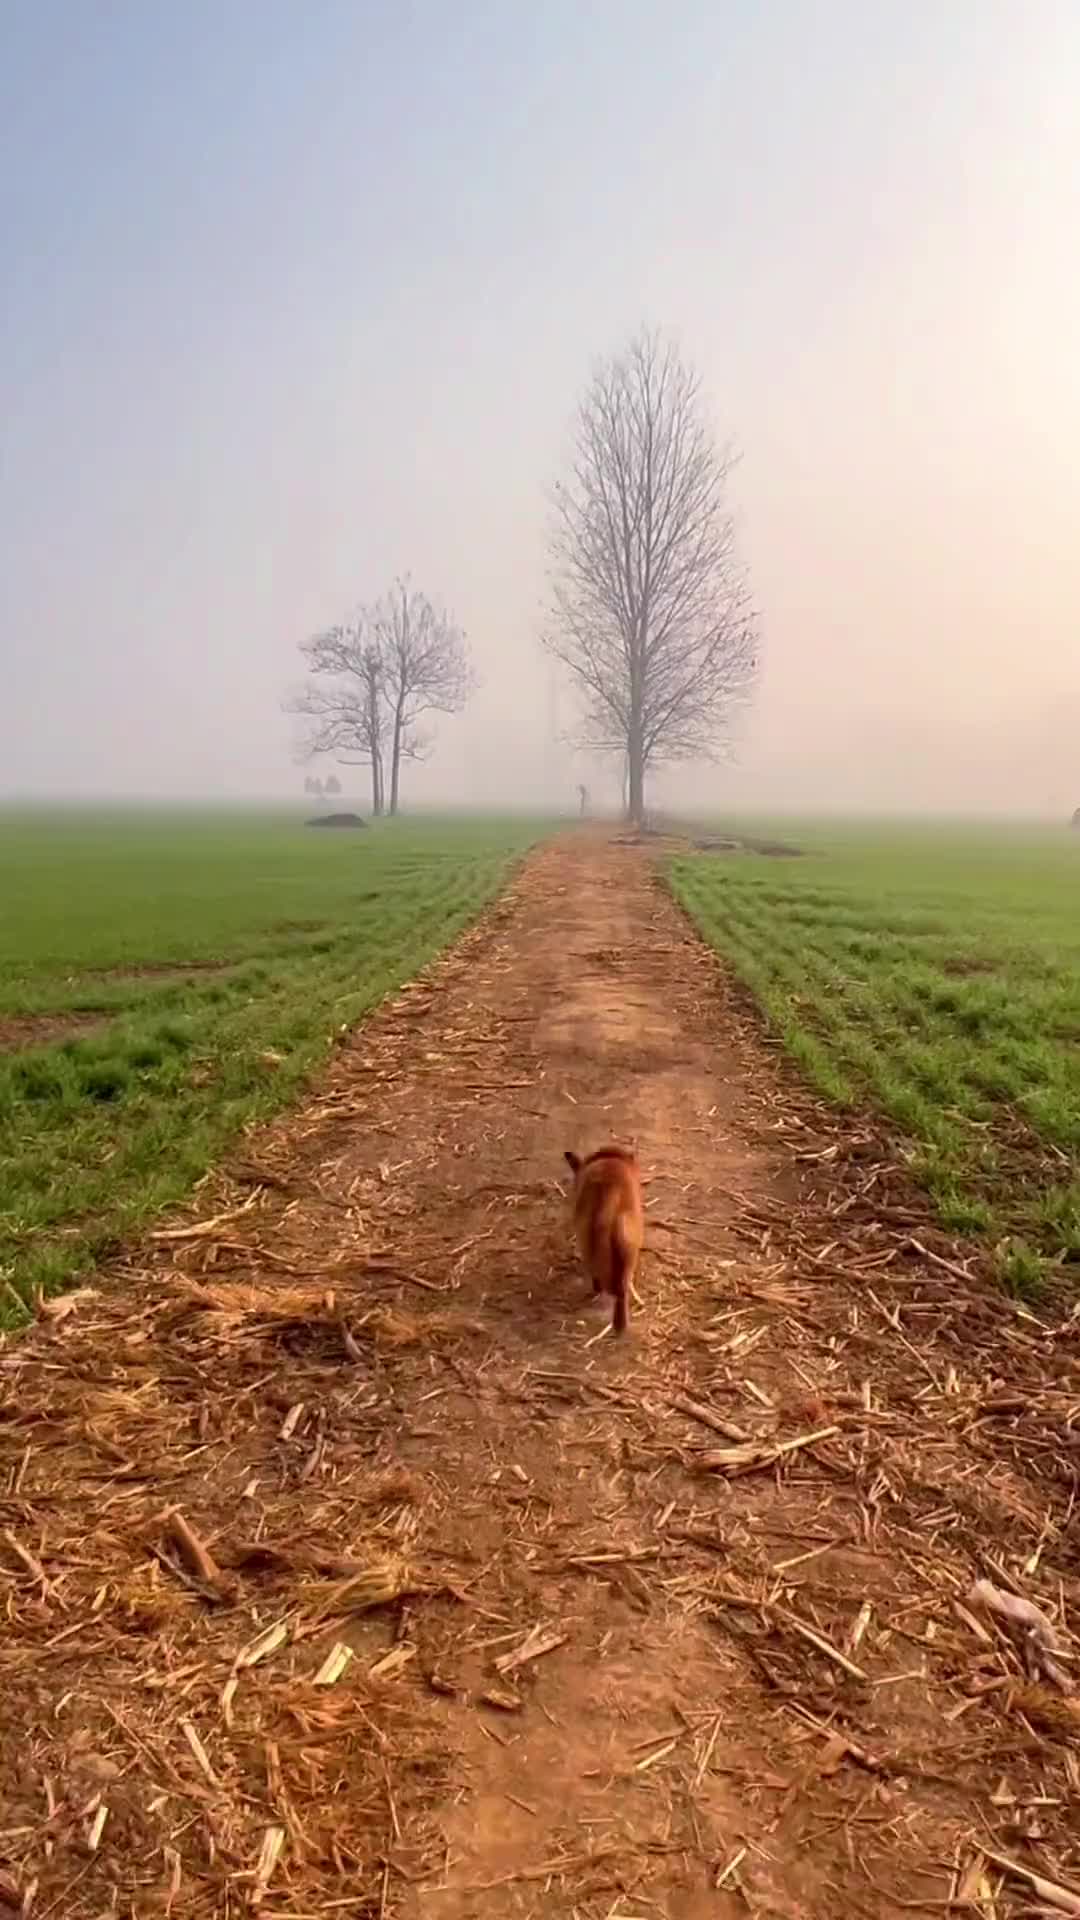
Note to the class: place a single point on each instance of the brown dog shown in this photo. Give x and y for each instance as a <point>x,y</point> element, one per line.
<point>609,1220</point>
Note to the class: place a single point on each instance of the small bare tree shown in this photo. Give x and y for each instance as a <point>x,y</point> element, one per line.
<point>650,611</point>
<point>342,703</point>
<point>425,668</point>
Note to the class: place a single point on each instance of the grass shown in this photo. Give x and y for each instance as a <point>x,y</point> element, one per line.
<point>185,974</point>
<point>932,975</point>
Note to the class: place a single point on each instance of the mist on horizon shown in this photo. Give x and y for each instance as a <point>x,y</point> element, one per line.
<point>299,302</point>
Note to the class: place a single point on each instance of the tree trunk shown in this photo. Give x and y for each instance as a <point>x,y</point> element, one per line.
<point>395,760</point>
<point>373,731</point>
<point>637,791</point>
<point>635,779</point>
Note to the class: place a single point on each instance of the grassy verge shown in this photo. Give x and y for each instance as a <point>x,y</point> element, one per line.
<point>165,980</point>
<point>933,976</point>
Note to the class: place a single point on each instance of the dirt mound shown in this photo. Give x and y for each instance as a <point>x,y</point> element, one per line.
<point>337,820</point>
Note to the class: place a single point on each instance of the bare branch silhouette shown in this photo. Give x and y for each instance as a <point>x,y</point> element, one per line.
<point>650,610</point>
<point>342,703</point>
<point>425,670</point>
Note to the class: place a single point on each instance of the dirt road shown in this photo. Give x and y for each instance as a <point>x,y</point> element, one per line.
<point>681,1623</point>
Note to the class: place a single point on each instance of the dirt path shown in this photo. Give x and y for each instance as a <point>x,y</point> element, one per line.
<point>368,1368</point>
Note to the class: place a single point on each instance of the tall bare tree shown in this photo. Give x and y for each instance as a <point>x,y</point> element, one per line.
<point>343,702</point>
<point>650,609</point>
<point>425,667</point>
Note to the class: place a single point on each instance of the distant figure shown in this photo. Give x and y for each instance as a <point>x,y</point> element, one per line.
<point>583,802</point>
<point>1076,818</point>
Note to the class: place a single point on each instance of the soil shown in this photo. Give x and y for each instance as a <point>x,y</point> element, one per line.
<point>725,1564</point>
<point>157,970</point>
<point>21,1031</point>
<point>769,849</point>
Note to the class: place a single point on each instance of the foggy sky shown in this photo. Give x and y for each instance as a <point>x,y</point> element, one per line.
<point>298,296</point>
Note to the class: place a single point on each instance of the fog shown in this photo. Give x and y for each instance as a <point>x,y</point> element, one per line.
<point>298,297</point>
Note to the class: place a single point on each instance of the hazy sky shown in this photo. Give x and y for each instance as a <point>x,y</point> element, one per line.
<point>298,295</point>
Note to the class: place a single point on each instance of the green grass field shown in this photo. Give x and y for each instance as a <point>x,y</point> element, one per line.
<point>932,975</point>
<point>165,978</point>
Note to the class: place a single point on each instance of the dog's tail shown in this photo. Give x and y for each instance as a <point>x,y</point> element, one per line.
<point>623,1253</point>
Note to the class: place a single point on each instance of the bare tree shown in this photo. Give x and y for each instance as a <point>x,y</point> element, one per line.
<point>425,670</point>
<point>650,610</point>
<point>342,703</point>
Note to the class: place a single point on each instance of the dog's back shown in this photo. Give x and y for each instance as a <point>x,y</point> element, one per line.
<point>609,1220</point>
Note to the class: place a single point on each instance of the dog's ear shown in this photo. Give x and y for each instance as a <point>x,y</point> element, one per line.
<point>573,1161</point>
